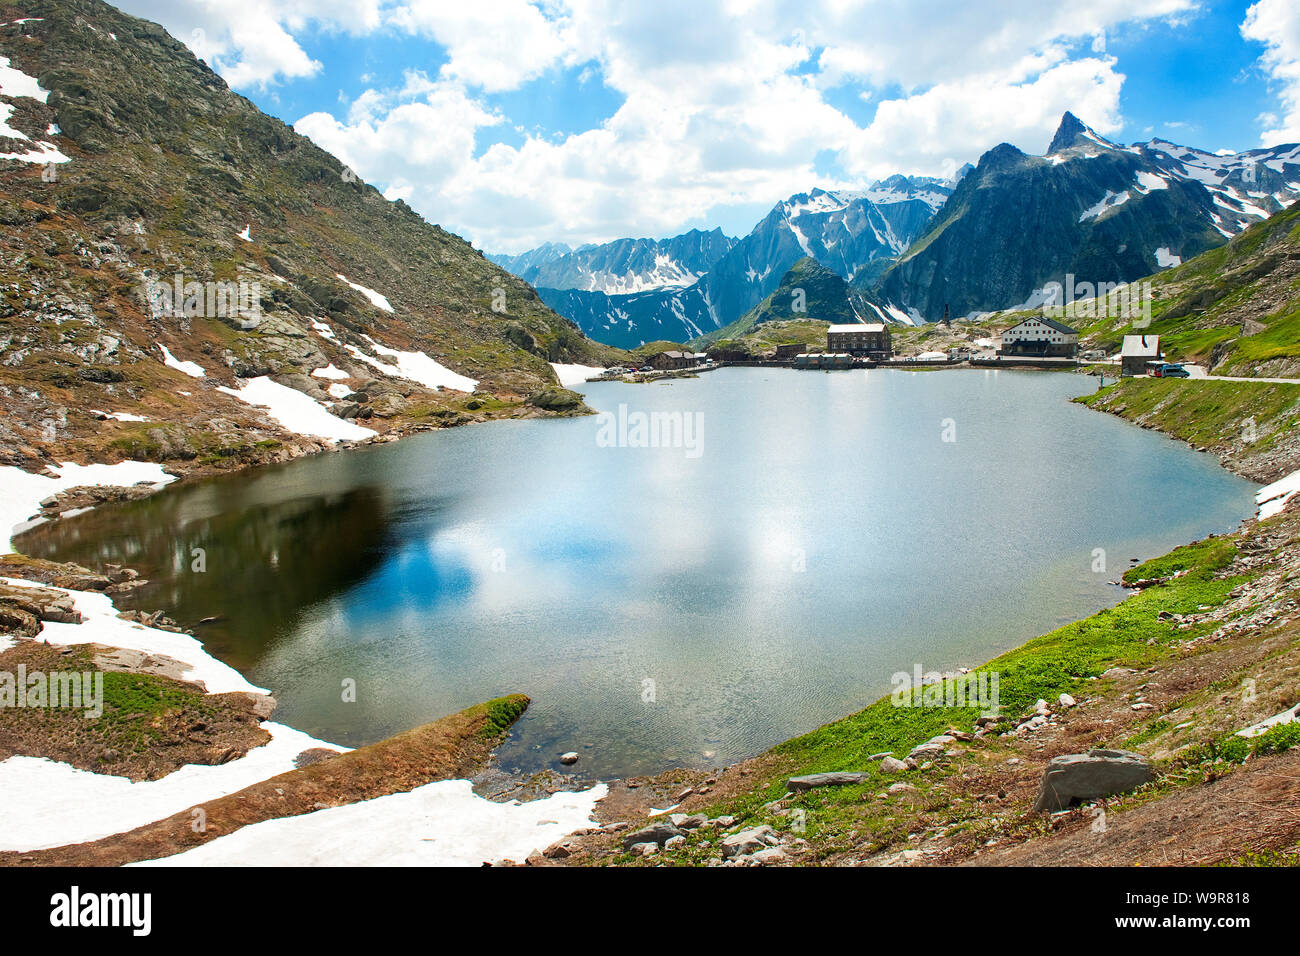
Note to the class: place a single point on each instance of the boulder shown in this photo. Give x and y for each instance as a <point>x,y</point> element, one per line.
<point>1098,773</point>
<point>655,833</point>
<point>688,822</point>
<point>892,765</point>
<point>749,841</point>
<point>811,781</point>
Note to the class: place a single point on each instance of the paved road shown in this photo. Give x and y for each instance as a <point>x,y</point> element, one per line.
<point>1198,372</point>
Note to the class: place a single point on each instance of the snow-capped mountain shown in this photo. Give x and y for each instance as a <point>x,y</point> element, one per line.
<point>623,266</point>
<point>532,260</point>
<point>848,232</point>
<point>1090,207</point>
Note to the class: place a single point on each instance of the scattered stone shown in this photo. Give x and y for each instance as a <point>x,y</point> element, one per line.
<point>644,849</point>
<point>1098,773</point>
<point>673,843</point>
<point>1066,700</point>
<point>769,856</point>
<point>568,758</point>
<point>892,765</point>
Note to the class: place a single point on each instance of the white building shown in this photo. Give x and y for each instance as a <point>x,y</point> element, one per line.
<point>1040,336</point>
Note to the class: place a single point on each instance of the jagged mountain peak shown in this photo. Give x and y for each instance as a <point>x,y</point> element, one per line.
<point>1074,132</point>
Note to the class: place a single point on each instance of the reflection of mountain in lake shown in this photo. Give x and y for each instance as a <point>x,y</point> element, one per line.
<point>263,563</point>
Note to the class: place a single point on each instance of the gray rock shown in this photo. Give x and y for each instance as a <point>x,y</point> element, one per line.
<point>773,854</point>
<point>749,841</point>
<point>688,821</point>
<point>568,758</point>
<point>644,849</point>
<point>1098,773</point>
<point>892,765</point>
<point>655,833</point>
<point>811,781</point>
<point>673,843</point>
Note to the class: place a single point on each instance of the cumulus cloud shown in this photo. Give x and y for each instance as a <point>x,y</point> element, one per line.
<point>723,105</point>
<point>251,42</point>
<point>1276,24</point>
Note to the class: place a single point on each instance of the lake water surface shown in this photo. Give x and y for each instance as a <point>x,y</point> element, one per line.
<point>665,606</point>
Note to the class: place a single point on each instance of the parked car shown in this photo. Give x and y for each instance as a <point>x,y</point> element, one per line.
<point>1171,371</point>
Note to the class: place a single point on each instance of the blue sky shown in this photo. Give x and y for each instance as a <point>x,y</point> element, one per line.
<point>514,122</point>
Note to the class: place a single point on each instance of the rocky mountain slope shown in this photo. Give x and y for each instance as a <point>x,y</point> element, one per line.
<point>187,279</point>
<point>850,233</point>
<point>1091,208</point>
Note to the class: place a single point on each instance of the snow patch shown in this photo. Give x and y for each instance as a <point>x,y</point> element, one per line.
<point>295,411</point>
<point>15,83</point>
<point>247,234</point>
<point>1110,201</point>
<point>1166,259</point>
<point>574,374</point>
<point>101,625</point>
<point>192,369</point>
<point>415,367</point>
<point>120,416</point>
<point>377,300</point>
<point>54,804</point>
<point>21,493</point>
<point>329,371</point>
<point>1271,499</point>
<point>439,824</point>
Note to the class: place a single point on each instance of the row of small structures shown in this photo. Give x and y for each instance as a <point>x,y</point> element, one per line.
<point>1035,340</point>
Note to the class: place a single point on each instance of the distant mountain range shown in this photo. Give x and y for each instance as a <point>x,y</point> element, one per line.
<point>623,266</point>
<point>850,233</point>
<point>913,248</point>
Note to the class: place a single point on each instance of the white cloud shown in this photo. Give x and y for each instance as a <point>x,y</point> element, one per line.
<point>491,44</point>
<point>1276,24</point>
<point>251,42</point>
<point>724,105</point>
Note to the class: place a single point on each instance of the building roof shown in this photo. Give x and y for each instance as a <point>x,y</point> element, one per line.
<point>858,327</point>
<point>1050,323</point>
<point>1141,346</point>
